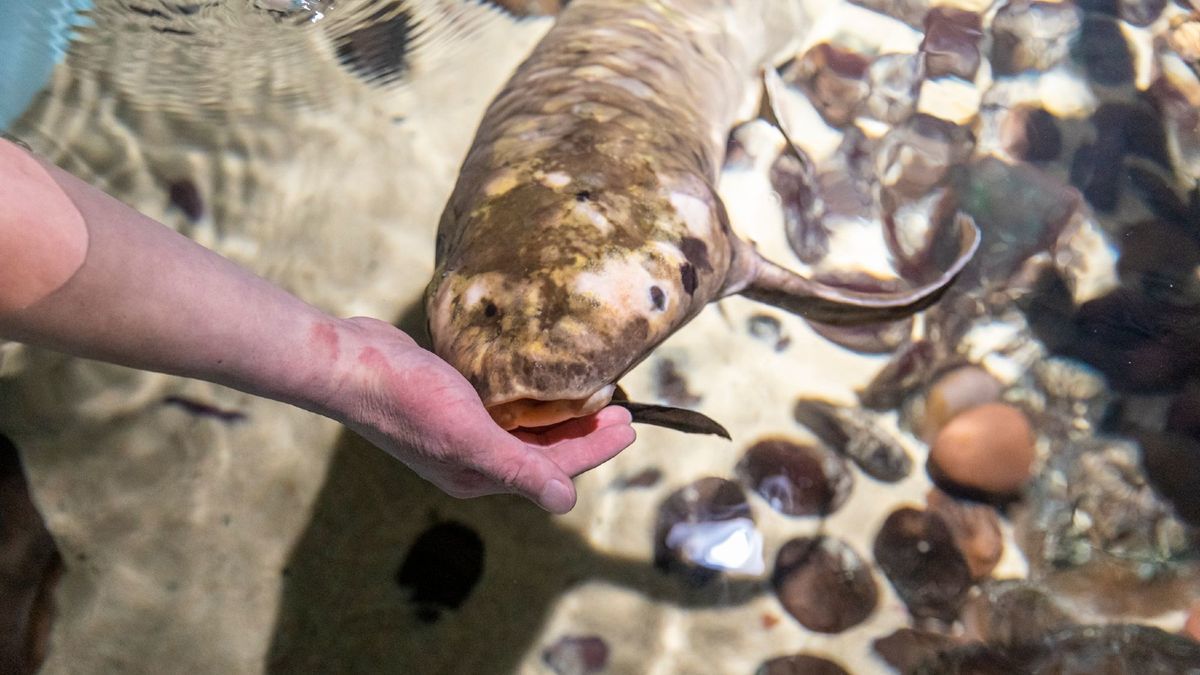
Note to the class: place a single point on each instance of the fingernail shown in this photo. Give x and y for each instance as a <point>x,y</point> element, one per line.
<point>556,497</point>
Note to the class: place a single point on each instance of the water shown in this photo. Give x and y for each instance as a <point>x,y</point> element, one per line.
<point>315,143</point>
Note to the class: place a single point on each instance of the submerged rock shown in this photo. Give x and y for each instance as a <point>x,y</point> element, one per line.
<point>577,655</point>
<point>857,435</point>
<point>699,517</point>
<point>800,664</point>
<point>797,480</point>
<point>917,552</point>
<point>1033,35</point>
<point>824,584</point>
<point>951,44</point>
<point>988,448</point>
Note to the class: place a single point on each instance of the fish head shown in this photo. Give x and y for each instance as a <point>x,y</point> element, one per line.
<point>551,284</point>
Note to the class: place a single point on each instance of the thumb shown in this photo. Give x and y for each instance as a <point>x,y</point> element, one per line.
<point>535,476</point>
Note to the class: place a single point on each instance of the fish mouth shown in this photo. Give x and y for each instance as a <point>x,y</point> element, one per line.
<point>532,413</point>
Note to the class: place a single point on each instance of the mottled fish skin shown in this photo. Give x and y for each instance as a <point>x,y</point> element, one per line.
<point>585,226</point>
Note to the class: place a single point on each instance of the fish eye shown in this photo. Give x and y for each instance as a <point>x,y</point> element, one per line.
<point>658,298</point>
<point>490,310</point>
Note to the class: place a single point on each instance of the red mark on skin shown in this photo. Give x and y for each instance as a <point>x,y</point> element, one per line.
<point>324,338</point>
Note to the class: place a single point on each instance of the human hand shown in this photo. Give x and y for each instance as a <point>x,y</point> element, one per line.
<point>418,408</point>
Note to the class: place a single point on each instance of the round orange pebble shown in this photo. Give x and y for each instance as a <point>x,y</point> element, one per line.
<point>987,448</point>
<point>958,390</point>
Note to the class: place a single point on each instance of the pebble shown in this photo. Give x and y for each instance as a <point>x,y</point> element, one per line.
<point>1172,464</point>
<point>824,584</point>
<point>855,434</point>
<point>1033,35</point>
<point>989,448</point>
<point>914,157</point>
<point>577,655</point>
<point>834,79</point>
<point>793,181</point>
<point>800,664</point>
<point>895,82</point>
<point>908,648</point>
<point>916,551</point>
<point>1031,133</point>
<point>707,500</point>
<point>1142,12</point>
<point>1013,612</point>
<point>671,386</point>
<point>1191,626</point>
<point>796,480</point>
<point>975,528</point>
<point>954,392</point>
<point>951,44</point>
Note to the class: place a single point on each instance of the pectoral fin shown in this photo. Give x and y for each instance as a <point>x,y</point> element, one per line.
<point>679,419</point>
<point>770,283</point>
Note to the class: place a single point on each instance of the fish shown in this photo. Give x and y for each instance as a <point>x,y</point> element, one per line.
<point>585,227</point>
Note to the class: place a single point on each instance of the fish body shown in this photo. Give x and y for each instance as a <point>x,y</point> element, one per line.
<point>585,227</point>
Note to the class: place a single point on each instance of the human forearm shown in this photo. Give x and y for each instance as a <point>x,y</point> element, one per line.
<point>150,298</point>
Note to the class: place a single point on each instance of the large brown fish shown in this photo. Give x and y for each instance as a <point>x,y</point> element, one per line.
<point>585,227</point>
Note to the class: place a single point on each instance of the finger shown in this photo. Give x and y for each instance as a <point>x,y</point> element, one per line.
<point>584,454</point>
<point>520,468</point>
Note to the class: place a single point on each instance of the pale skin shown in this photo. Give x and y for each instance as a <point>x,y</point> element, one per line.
<point>87,275</point>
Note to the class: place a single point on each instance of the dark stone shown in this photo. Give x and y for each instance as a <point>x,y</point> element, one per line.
<point>797,480</point>
<point>648,477</point>
<point>1035,136</point>
<point>895,84</point>
<point>1140,345</point>
<point>704,501</point>
<point>1172,463</point>
<point>834,80</point>
<point>1032,36</point>
<point>577,655</point>
<point>907,648</point>
<point>854,434</point>
<point>1013,613</point>
<point>186,197</point>
<point>671,386</point>
<point>917,552</point>
<point>1158,260</point>
<point>800,664</point>
<point>442,568</point>
<point>910,369</point>
<point>1102,50</point>
<point>824,584</point>
<point>793,181</point>
<point>915,156</point>
<point>1021,210</point>
<point>951,44</point>
<point>378,51</point>
<point>1160,197</point>
<point>1142,12</point>
<point>1080,650</point>
<point>768,329</point>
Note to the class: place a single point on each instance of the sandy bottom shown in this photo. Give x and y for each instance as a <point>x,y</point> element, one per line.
<point>274,542</point>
